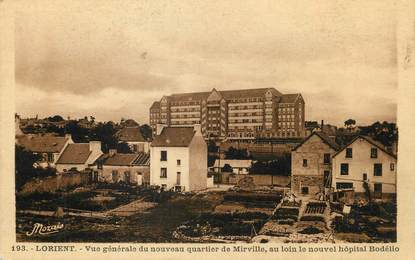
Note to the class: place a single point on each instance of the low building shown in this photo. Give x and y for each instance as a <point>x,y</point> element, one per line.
<point>134,138</point>
<point>121,167</point>
<point>311,165</point>
<point>79,156</point>
<point>49,147</point>
<point>365,162</point>
<point>238,166</point>
<point>178,158</point>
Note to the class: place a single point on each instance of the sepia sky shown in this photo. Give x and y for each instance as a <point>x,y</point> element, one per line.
<point>77,58</point>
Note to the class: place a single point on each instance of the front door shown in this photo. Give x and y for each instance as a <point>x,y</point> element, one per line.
<point>178,178</point>
<point>377,190</point>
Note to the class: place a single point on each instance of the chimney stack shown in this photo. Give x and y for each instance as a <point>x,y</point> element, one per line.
<point>198,130</point>
<point>95,146</point>
<point>112,152</point>
<point>322,124</point>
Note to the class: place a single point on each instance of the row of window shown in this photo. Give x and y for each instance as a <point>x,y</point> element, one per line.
<point>377,169</point>
<point>373,152</point>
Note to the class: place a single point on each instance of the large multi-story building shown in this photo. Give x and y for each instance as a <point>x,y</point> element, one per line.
<point>234,114</point>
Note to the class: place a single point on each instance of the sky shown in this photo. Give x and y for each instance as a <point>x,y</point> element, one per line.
<point>111,61</point>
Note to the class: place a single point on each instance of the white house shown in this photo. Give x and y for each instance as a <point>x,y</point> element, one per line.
<point>48,146</point>
<point>365,160</point>
<point>79,156</point>
<point>178,158</point>
<point>129,168</point>
<point>133,137</point>
<point>238,166</point>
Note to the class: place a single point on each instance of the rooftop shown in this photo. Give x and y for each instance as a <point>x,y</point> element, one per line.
<point>42,143</point>
<point>122,159</point>
<point>174,137</point>
<point>130,134</point>
<point>77,153</point>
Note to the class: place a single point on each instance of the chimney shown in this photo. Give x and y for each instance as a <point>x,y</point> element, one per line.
<point>112,152</point>
<point>197,129</point>
<point>322,124</point>
<point>95,146</point>
<point>159,128</point>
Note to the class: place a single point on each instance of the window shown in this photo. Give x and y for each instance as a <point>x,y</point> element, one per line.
<point>179,162</point>
<point>365,176</point>
<point>305,162</point>
<point>163,173</point>
<point>344,185</point>
<point>349,152</point>
<point>377,187</point>
<point>392,166</point>
<point>374,153</point>
<point>326,158</point>
<point>163,156</point>
<point>50,157</point>
<point>377,169</point>
<point>344,169</point>
<point>304,190</point>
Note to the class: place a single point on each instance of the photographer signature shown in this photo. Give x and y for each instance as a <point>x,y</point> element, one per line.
<point>41,229</point>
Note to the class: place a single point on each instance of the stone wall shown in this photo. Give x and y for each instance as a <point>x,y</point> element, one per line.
<point>315,184</point>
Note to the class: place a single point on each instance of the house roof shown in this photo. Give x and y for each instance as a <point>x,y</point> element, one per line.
<point>226,94</point>
<point>77,153</point>
<point>125,159</point>
<point>174,137</point>
<point>289,98</point>
<point>330,142</point>
<point>42,143</point>
<point>155,105</point>
<point>130,134</point>
<point>369,140</point>
<point>233,163</point>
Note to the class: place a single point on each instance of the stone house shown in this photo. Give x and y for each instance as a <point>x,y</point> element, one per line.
<point>365,161</point>
<point>128,168</point>
<point>178,158</point>
<point>79,156</point>
<point>135,140</point>
<point>48,146</point>
<point>311,165</point>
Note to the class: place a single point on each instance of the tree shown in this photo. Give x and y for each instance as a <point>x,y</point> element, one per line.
<point>106,133</point>
<point>239,154</point>
<point>24,167</point>
<point>212,147</point>
<point>123,147</point>
<point>349,123</point>
<point>56,118</point>
<point>146,131</point>
<point>79,134</point>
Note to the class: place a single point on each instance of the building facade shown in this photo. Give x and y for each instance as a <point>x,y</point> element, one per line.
<point>178,159</point>
<point>48,146</point>
<point>128,168</point>
<point>79,156</point>
<point>362,161</point>
<point>134,138</point>
<point>234,114</point>
<point>311,165</point>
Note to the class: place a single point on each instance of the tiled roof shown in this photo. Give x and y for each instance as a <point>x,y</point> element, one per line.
<point>174,137</point>
<point>130,134</point>
<point>289,98</point>
<point>75,154</point>
<point>246,93</point>
<point>330,142</point>
<point>124,159</point>
<point>155,105</point>
<point>42,143</point>
<point>227,94</point>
